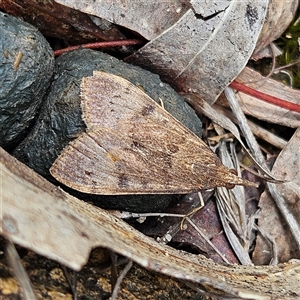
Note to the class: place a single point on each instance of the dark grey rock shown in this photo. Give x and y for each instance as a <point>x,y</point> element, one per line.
<point>23,85</point>
<point>60,119</point>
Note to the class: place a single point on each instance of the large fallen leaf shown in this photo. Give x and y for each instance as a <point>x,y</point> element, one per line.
<point>263,110</point>
<point>286,167</point>
<point>39,216</point>
<point>202,48</point>
<point>204,52</point>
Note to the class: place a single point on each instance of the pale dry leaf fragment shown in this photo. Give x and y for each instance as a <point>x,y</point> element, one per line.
<point>244,127</point>
<point>287,167</point>
<point>231,206</point>
<point>263,110</point>
<point>271,51</point>
<point>39,216</point>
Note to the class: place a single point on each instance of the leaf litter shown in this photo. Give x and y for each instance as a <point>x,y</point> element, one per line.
<point>237,227</point>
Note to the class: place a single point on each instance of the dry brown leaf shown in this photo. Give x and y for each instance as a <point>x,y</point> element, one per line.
<point>41,217</point>
<point>202,229</point>
<point>263,110</point>
<point>280,14</point>
<point>286,167</point>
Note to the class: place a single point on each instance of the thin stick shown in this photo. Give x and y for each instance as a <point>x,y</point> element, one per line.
<point>113,269</point>
<point>100,45</point>
<point>272,48</point>
<point>19,271</point>
<point>193,210</point>
<point>287,66</point>
<point>128,215</point>
<point>71,281</point>
<point>119,280</point>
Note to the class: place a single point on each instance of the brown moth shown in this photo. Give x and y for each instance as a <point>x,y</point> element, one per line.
<point>133,146</point>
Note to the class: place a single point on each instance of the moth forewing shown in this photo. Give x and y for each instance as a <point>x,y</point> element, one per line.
<point>133,146</point>
<point>113,102</point>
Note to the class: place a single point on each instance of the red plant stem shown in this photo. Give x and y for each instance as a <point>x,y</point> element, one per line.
<point>265,97</point>
<point>99,45</point>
